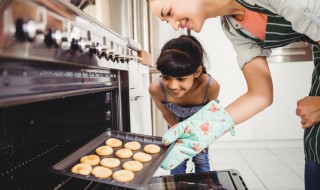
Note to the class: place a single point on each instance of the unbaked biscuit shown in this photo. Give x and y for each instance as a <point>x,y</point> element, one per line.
<point>114,143</point>
<point>124,153</point>
<point>101,172</point>
<point>142,157</point>
<point>110,162</point>
<point>104,150</point>
<point>151,148</point>
<point>134,166</point>
<point>133,145</point>
<point>90,159</point>
<point>82,168</point>
<point>123,175</point>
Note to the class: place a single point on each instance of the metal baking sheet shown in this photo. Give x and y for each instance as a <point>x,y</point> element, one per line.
<point>141,178</point>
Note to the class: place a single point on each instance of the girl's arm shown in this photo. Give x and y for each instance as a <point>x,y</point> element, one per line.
<point>213,90</point>
<point>156,95</point>
<point>259,94</point>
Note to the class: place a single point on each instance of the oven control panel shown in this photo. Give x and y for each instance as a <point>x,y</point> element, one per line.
<point>55,30</point>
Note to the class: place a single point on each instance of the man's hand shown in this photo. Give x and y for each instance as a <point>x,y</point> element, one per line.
<point>308,109</point>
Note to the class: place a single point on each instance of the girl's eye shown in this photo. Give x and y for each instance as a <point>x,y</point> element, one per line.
<point>165,77</point>
<point>180,79</point>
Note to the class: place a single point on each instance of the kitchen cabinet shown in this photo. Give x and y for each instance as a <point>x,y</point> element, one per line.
<point>140,105</point>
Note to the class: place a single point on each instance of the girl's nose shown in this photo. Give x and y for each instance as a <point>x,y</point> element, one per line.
<point>174,85</point>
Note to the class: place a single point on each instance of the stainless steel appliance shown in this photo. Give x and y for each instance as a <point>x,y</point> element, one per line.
<point>63,81</point>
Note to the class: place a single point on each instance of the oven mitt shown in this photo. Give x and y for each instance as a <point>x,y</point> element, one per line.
<point>196,133</point>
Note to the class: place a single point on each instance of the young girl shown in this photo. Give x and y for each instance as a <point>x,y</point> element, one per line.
<point>254,27</point>
<point>183,88</point>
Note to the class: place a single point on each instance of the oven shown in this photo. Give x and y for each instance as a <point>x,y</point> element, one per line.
<point>63,82</point>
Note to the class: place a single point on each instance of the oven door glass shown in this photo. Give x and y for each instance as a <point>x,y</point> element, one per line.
<point>214,180</point>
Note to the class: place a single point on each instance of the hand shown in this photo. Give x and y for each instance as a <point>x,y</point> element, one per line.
<point>308,109</point>
<point>196,133</point>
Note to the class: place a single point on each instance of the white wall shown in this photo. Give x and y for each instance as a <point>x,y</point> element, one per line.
<point>291,82</point>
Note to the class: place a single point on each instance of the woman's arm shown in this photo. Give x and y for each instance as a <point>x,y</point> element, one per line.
<point>259,94</point>
<point>156,95</point>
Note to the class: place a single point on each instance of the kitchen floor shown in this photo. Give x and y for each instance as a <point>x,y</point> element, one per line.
<point>262,167</point>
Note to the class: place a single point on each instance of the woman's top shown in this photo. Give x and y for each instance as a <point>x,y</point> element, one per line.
<point>296,20</point>
<point>250,23</point>
<point>182,113</point>
<point>302,17</point>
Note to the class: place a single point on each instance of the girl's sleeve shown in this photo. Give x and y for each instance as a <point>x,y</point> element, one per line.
<point>303,14</point>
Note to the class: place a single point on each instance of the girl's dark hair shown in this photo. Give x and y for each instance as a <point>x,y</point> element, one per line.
<point>181,57</point>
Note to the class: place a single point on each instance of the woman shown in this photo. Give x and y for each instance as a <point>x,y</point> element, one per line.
<point>281,22</point>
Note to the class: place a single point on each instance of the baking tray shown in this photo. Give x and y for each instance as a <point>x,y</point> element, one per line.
<point>141,178</point>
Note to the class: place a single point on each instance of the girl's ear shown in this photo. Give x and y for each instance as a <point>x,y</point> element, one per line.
<point>198,72</point>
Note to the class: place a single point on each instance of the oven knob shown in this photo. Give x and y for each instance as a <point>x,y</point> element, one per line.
<point>74,45</point>
<point>127,58</point>
<point>53,37</point>
<point>122,55</point>
<point>116,52</point>
<point>26,30</point>
<point>110,51</point>
<point>131,54</point>
<point>95,49</point>
<point>78,45</point>
<point>65,44</point>
<point>82,45</point>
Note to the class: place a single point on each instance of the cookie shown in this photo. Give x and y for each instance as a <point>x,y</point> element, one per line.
<point>124,153</point>
<point>101,172</point>
<point>151,148</point>
<point>123,175</point>
<point>104,150</point>
<point>82,168</point>
<point>110,162</point>
<point>134,166</point>
<point>90,159</point>
<point>114,143</point>
<point>142,157</point>
<point>133,145</point>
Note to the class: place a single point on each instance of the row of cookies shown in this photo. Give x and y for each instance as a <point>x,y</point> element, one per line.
<point>104,171</point>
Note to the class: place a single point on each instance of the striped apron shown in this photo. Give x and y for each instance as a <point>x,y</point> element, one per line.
<point>279,33</point>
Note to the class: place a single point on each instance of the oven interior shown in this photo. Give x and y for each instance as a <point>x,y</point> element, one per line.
<point>35,136</point>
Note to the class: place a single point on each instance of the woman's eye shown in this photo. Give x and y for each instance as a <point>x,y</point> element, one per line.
<point>169,13</point>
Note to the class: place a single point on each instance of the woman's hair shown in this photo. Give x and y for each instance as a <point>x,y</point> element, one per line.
<point>181,57</point>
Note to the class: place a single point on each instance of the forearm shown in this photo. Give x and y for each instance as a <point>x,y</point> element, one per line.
<point>246,107</point>
<point>259,94</point>
<point>170,119</point>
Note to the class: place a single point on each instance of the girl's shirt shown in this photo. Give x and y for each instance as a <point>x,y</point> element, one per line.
<point>304,19</point>
<point>182,113</point>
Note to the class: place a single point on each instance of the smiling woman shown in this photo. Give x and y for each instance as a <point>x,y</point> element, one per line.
<point>180,14</point>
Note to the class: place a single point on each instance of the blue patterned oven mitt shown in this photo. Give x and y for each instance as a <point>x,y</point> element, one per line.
<point>196,133</point>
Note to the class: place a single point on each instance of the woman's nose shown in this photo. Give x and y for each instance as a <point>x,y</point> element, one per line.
<point>175,25</point>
